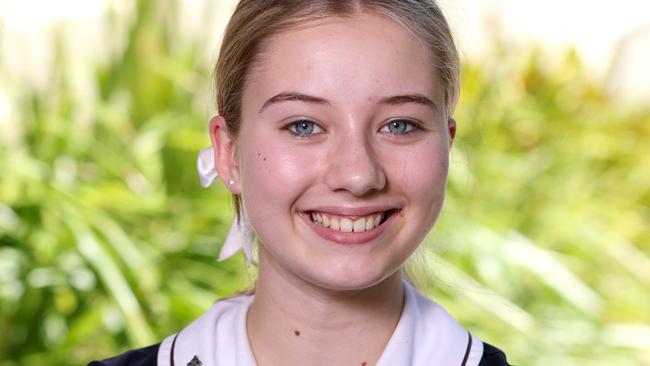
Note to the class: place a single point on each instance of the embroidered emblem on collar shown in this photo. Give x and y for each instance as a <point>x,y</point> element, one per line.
<point>195,362</point>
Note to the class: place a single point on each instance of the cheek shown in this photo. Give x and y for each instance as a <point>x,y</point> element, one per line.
<point>275,173</point>
<point>421,174</point>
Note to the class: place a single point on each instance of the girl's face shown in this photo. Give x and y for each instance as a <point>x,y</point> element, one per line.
<point>342,154</point>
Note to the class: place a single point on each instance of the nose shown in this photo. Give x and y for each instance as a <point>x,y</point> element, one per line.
<point>355,167</point>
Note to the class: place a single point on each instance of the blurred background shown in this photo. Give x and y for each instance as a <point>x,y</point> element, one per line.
<point>108,242</point>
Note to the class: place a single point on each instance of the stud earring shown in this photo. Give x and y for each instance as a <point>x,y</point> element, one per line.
<point>231,182</point>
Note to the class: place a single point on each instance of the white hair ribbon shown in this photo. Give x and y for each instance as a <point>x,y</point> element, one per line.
<point>240,235</point>
<point>205,166</point>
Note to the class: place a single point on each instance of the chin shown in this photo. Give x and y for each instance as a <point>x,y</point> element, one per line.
<point>350,279</point>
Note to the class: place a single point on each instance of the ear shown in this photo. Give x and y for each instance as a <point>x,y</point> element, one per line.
<point>451,126</point>
<point>224,154</point>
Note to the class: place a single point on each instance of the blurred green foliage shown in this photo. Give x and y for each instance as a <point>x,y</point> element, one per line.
<point>108,242</point>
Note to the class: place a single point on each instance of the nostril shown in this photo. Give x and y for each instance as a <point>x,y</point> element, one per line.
<point>355,169</point>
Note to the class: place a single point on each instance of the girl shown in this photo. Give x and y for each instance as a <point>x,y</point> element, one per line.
<point>334,133</point>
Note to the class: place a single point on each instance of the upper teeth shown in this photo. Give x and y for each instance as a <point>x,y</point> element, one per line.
<point>347,225</point>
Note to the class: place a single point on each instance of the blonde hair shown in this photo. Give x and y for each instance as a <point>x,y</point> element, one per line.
<point>255,21</point>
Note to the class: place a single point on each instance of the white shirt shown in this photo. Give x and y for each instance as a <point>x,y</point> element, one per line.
<point>425,335</point>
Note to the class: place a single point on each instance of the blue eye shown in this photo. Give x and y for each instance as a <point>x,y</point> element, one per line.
<point>399,127</point>
<point>304,128</point>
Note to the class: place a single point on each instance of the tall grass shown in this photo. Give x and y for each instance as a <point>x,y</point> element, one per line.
<point>108,242</point>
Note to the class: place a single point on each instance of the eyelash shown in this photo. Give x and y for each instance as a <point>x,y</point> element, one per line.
<point>414,127</point>
<point>291,127</point>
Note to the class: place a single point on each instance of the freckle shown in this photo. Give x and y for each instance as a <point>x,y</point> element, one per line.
<point>296,332</point>
<point>364,363</point>
<point>264,158</point>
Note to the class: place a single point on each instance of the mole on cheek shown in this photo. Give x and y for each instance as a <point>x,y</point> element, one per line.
<point>364,363</point>
<point>296,332</point>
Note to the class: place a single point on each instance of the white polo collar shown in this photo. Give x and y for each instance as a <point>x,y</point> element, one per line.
<point>425,335</point>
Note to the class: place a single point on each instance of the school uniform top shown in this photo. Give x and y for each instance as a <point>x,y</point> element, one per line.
<point>425,335</point>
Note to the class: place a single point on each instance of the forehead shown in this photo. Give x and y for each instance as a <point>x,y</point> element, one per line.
<point>343,58</point>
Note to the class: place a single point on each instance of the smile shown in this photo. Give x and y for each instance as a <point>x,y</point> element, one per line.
<point>352,228</point>
<point>345,224</point>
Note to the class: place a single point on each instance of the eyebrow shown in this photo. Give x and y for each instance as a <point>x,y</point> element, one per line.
<point>292,96</point>
<point>409,98</point>
<point>392,100</point>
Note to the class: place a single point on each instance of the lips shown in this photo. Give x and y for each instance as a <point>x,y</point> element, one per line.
<point>348,228</point>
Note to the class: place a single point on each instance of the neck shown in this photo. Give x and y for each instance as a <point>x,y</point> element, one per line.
<point>292,320</point>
